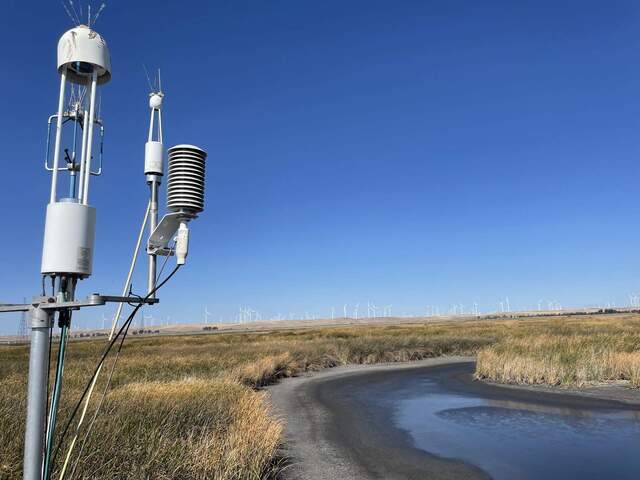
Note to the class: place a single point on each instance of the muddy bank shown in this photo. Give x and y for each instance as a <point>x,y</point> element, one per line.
<point>334,432</point>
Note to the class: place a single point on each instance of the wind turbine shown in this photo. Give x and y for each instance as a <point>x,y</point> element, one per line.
<point>206,314</point>
<point>345,310</point>
<point>355,310</point>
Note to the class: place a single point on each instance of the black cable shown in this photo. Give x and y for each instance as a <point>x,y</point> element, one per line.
<point>164,263</point>
<point>48,415</point>
<point>131,294</point>
<point>102,359</point>
<point>64,318</point>
<point>99,407</point>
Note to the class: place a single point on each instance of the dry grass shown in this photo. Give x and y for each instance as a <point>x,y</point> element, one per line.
<point>594,353</point>
<point>183,429</point>
<point>190,407</point>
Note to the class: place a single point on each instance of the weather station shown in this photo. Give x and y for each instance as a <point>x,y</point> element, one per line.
<point>75,148</point>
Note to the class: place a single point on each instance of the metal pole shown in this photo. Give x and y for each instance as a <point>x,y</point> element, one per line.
<point>85,129</point>
<point>153,222</point>
<point>87,159</point>
<point>56,152</point>
<point>36,394</point>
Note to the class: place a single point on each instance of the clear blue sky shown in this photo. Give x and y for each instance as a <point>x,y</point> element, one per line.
<point>410,153</point>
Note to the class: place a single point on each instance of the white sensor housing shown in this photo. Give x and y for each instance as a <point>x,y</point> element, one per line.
<point>155,100</point>
<point>185,186</point>
<point>69,235</point>
<point>81,50</point>
<point>182,244</point>
<point>185,199</point>
<point>153,155</point>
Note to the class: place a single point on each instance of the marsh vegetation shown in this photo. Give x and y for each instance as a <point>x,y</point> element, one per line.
<point>190,407</point>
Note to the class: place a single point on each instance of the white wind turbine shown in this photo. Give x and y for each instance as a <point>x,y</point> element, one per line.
<point>207,313</point>
<point>355,310</point>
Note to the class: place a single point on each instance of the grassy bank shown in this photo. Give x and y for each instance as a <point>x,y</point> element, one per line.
<point>577,353</point>
<point>190,407</point>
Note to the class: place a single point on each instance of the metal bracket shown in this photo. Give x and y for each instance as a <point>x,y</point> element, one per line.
<point>93,300</point>
<point>164,232</point>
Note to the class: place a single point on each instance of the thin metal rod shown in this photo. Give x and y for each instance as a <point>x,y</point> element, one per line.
<point>160,125</point>
<point>127,282</point>
<point>87,160</point>
<point>153,222</point>
<point>46,155</point>
<point>56,153</point>
<point>151,125</point>
<point>85,128</point>
<point>36,395</point>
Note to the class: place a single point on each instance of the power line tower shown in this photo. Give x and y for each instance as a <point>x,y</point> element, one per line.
<point>22,327</point>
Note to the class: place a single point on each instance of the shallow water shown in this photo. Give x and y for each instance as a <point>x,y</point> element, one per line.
<point>517,440</point>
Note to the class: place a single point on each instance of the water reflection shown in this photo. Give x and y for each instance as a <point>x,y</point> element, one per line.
<point>519,440</point>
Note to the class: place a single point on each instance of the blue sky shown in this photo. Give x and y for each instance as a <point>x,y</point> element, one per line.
<point>409,153</point>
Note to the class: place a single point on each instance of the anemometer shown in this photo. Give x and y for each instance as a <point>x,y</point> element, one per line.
<point>77,130</point>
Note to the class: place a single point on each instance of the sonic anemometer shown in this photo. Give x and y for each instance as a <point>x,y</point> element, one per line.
<point>75,146</point>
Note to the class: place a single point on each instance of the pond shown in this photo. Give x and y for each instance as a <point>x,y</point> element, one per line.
<point>515,439</point>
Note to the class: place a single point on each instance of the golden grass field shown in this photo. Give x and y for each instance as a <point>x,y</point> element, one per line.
<point>190,407</point>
